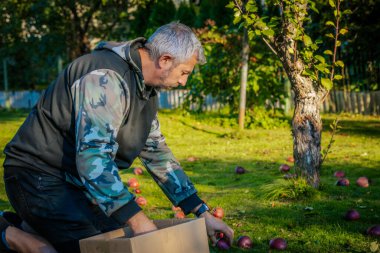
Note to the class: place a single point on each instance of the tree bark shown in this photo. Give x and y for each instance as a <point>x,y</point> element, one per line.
<point>243,79</point>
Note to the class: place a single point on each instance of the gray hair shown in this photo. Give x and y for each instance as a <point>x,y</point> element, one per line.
<point>177,40</point>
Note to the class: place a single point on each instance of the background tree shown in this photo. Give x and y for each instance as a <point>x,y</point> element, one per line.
<point>282,29</point>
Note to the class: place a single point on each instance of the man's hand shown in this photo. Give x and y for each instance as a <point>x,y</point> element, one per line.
<point>214,225</point>
<point>141,224</point>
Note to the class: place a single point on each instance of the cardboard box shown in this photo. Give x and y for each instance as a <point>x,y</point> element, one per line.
<point>172,236</point>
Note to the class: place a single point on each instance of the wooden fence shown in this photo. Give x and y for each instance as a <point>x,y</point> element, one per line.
<point>338,101</point>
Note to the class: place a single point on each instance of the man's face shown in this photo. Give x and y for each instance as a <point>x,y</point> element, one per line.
<point>175,76</point>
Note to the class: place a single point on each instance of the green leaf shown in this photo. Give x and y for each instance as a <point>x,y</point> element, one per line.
<point>237,19</point>
<point>251,34</point>
<point>320,58</point>
<point>330,23</point>
<point>338,43</point>
<point>338,77</point>
<point>347,12</point>
<point>327,83</point>
<point>307,40</point>
<point>328,52</point>
<point>258,32</point>
<point>268,32</point>
<point>339,64</point>
<point>330,35</point>
<point>312,7</point>
<point>231,5</point>
<point>290,49</point>
<point>320,67</point>
<point>343,31</point>
<point>332,3</point>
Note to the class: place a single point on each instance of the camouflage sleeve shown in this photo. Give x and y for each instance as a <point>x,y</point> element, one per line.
<point>101,100</point>
<point>165,169</point>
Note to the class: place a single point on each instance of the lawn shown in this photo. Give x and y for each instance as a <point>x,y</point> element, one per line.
<point>310,224</point>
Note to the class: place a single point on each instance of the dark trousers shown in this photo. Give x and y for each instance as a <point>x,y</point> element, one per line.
<point>54,208</point>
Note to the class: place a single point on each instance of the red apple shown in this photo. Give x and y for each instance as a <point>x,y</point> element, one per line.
<point>133,183</point>
<point>244,242</point>
<point>374,231</point>
<point>239,170</point>
<point>223,244</point>
<point>343,182</point>
<point>284,168</point>
<point>179,215</point>
<point>219,235</point>
<point>339,174</point>
<point>137,191</point>
<point>362,182</point>
<point>218,212</point>
<point>278,244</point>
<point>141,201</point>
<point>138,171</point>
<point>290,159</point>
<point>352,215</point>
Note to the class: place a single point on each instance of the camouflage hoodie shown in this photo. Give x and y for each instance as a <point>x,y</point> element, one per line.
<point>96,118</point>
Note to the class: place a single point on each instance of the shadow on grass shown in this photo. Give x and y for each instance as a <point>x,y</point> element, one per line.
<point>13,114</point>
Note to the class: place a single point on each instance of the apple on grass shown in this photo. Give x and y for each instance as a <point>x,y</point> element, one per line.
<point>240,170</point>
<point>278,244</point>
<point>137,191</point>
<point>244,242</point>
<point>374,231</point>
<point>343,182</point>
<point>339,174</point>
<point>138,171</point>
<point>362,182</point>
<point>141,201</point>
<point>133,183</point>
<point>284,168</point>
<point>352,215</point>
<point>290,159</point>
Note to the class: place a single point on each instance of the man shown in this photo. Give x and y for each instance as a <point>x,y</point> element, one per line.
<point>61,168</point>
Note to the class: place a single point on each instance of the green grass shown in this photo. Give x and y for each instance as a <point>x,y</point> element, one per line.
<point>219,147</point>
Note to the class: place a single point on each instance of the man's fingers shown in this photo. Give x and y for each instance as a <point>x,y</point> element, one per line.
<point>213,239</point>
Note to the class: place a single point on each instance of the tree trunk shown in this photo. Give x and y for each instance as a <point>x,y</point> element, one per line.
<point>307,131</point>
<point>243,79</point>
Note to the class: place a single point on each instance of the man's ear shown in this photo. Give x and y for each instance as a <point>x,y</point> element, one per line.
<point>165,61</point>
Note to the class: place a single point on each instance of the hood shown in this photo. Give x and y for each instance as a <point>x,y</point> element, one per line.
<point>128,51</point>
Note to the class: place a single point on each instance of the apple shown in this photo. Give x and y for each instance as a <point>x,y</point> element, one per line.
<point>133,183</point>
<point>244,242</point>
<point>339,174</point>
<point>374,231</point>
<point>219,235</point>
<point>223,244</point>
<point>218,212</point>
<point>362,182</point>
<point>138,171</point>
<point>284,168</point>
<point>352,215</point>
<point>141,201</point>
<point>290,159</point>
<point>278,243</point>
<point>179,215</point>
<point>239,170</point>
<point>137,191</point>
<point>343,182</point>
